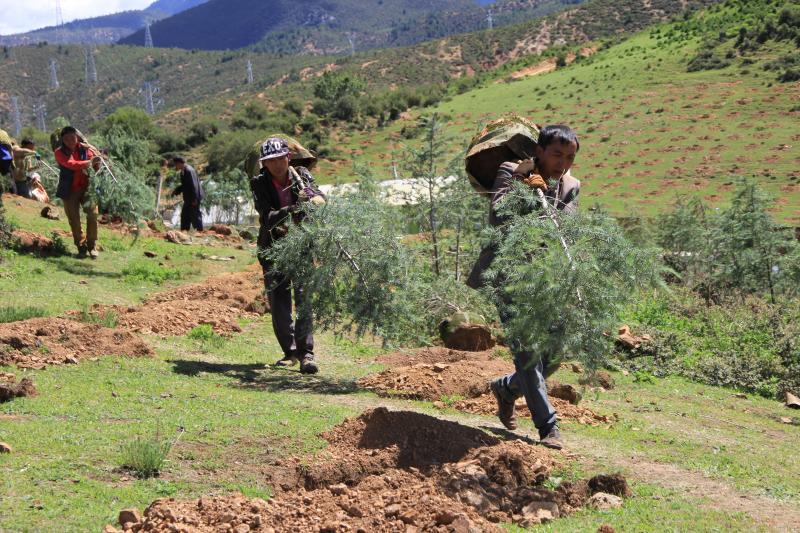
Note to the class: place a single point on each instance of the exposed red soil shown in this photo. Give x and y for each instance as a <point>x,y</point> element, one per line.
<point>394,471</point>
<point>217,301</point>
<point>38,342</point>
<point>10,388</point>
<point>439,374</point>
<point>30,242</point>
<point>243,290</point>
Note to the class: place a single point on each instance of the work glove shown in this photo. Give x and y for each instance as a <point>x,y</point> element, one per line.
<point>524,173</point>
<point>37,156</point>
<point>96,161</point>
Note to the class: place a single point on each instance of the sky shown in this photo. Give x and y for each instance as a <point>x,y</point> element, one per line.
<point>21,16</point>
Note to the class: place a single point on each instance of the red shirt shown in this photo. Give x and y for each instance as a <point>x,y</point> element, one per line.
<point>284,192</point>
<point>80,179</point>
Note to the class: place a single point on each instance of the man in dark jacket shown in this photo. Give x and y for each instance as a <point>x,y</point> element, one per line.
<point>555,153</point>
<point>278,190</point>
<point>192,195</point>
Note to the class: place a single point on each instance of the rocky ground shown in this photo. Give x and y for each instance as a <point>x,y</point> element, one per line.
<point>395,471</point>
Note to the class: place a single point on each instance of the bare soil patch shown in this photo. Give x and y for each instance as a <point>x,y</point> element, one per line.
<point>38,342</point>
<point>396,471</point>
<point>460,379</point>
<point>217,301</point>
<point>10,388</point>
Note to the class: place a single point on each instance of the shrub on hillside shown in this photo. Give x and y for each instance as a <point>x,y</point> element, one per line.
<point>736,251</point>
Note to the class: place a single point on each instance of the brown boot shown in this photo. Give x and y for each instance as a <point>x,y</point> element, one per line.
<point>552,439</point>
<point>287,360</point>
<point>308,366</point>
<point>505,409</point>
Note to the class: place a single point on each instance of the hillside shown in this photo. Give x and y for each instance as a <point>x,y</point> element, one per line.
<point>195,84</point>
<point>103,29</point>
<point>220,24</point>
<point>650,129</point>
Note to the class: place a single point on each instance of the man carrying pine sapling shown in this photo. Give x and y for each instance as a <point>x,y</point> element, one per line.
<point>278,192</point>
<point>555,153</point>
<point>74,158</point>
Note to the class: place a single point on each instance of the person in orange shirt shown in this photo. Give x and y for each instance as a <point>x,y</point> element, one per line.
<point>74,159</point>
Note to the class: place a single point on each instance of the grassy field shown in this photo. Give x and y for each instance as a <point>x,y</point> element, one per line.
<point>649,129</point>
<point>698,457</point>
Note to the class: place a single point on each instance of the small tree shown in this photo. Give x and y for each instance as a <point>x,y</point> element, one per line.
<point>737,250</point>
<point>563,288</point>
<point>349,256</point>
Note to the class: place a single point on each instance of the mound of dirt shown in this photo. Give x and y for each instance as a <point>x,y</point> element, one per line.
<point>486,405</point>
<point>392,471</point>
<point>38,342</point>
<point>10,389</point>
<point>439,374</point>
<point>435,354</point>
<point>29,242</point>
<point>243,290</point>
<point>422,381</point>
<point>177,317</point>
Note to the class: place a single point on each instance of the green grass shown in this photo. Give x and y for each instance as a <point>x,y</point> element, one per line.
<point>14,313</point>
<point>145,456</point>
<point>121,275</point>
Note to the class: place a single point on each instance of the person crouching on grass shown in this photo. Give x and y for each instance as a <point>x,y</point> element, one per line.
<point>555,152</point>
<point>277,203</point>
<point>74,159</point>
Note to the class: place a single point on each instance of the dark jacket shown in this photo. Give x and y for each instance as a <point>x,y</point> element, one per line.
<point>567,201</point>
<point>272,217</point>
<point>190,186</point>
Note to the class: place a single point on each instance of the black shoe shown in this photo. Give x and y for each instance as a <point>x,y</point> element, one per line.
<point>552,439</point>
<point>308,366</point>
<point>82,250</point>
<point>505,409</point>
<point>288,360</point>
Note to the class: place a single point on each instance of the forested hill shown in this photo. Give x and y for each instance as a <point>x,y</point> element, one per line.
<point>104,29</point>
<point>329,27</point>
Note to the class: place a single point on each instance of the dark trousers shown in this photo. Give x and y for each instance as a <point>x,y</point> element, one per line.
<point>295,338</point>
<point>22,189</point>
<point>528,380</point>
<point>191,216</point>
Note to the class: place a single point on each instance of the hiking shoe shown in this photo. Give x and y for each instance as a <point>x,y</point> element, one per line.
<point>288,360</point>
<point>308,366</point>
<point>93,253</point>
<point>505,409</point>
<point>552,439</point>
<point>82,251</point>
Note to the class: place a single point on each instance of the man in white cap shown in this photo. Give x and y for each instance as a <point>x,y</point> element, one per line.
<point>277,191</point>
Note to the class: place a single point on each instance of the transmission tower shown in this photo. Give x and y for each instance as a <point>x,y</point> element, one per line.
<point>148,37</point>
<point>59,14</point>
<point>489,20</point>
<point>16,116</point>
<point>352,43</point>
<point>89,66</point>
<point>249,72</point>
<point>148,92</point>
<point>53,74</point>
<point>40,112</point>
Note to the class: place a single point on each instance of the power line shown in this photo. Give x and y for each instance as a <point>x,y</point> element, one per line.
<point>148,37</point>
<point>16,116</point>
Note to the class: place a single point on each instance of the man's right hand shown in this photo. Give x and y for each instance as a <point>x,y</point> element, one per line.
<point>525,168</point>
